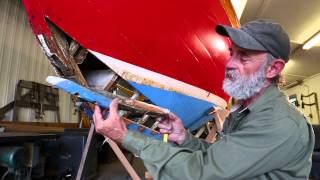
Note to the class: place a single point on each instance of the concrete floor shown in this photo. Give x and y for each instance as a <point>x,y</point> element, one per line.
<point>115,170</point>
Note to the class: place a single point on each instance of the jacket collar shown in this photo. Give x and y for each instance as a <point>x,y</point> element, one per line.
<point>270,94</point>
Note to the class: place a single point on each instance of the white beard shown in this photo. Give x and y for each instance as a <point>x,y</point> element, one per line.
<point>244,87</point>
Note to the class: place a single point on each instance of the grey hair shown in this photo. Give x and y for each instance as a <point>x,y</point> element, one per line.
<point>269,58</point>
<point>277,79</point>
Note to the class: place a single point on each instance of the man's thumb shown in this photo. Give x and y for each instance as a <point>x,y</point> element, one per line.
<point>114,108</point>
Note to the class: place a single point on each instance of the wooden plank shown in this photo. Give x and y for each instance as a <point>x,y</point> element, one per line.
<point>63,125</point>
<point>220,116</point>
<point>85,151</point>
<point>22,134</point>
<point>30,128</point>
<point>36,127</point>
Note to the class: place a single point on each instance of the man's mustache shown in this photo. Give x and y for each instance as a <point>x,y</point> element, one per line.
<point>231,74</point>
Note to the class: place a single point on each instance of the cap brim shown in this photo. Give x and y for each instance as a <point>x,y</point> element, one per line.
<point>240,38</point>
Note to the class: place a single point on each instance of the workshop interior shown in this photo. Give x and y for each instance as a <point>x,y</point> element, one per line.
<point>155,56</point>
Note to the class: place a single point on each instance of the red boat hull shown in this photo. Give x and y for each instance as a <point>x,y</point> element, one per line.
<point>173,38</point>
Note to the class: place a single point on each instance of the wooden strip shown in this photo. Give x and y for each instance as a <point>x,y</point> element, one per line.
<point>142,127</point>
<point>43,124</point>
<point>144,106</point>
<point>219,117</point>
<point>31,128</point>
<point>85,152</point>
<point>226,4</point>
<point>124,161</point>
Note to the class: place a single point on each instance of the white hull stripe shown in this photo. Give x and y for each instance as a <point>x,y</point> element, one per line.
<point>141,75</point>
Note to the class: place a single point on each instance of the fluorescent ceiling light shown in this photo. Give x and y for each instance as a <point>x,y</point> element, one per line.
<point>312,41</point>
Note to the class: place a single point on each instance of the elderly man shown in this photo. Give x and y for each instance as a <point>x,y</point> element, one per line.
<point>265,138</point>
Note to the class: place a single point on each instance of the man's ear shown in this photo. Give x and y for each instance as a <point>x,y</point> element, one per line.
<point>275,68</point>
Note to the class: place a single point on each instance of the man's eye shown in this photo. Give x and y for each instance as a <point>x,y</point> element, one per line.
<point>245,59</point>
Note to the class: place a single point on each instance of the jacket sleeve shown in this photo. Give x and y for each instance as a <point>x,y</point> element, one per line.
<point>194,143</point>
<point>254,150</point>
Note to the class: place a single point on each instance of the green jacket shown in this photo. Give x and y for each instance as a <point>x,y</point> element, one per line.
<point>270,139</point>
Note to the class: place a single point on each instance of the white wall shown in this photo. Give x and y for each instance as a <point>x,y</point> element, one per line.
<point>22,58</point>
<point>309,85</point>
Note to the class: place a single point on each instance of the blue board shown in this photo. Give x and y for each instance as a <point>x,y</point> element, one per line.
<point>192,111</point>
<point>94,97</point>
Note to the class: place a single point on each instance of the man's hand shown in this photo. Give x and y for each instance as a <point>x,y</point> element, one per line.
<point>174,127</point>
<point>113,127</point>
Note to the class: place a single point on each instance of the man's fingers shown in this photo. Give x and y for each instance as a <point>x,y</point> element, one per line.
<point>173,116</point>
<point>94,119</point>
<point>165,122</point>
<point>114,108</point>
<point>164,126</point>
<point>97,113</point>
<point>97,116</point>
<point>165,131</point>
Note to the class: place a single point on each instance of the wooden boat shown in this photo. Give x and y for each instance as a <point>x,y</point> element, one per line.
<point>166,50</point>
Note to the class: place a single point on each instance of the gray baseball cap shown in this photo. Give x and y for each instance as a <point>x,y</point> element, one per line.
<point>260,35</point>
